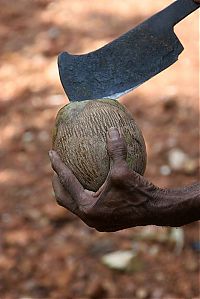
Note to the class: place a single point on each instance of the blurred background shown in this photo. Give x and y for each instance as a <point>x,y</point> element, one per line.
<point>46,252</point>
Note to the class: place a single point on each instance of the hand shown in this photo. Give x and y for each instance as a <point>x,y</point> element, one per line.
<point>197,1</point>
<point>123,201</point>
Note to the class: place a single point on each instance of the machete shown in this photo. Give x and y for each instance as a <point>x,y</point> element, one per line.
<point>129,60</point>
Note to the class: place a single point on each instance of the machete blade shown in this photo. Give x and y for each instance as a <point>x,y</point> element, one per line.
<point>128,61</point>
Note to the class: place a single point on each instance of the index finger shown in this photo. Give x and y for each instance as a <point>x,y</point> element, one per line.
<point>66,177</point>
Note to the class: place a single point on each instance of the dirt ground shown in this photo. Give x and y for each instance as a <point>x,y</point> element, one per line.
<point>45,251</point>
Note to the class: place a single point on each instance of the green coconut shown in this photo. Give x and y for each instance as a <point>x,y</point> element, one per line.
<point>79,137</point>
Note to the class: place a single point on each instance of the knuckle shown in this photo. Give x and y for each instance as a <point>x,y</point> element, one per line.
<point>62,174</point>
<point>115,176</point>
<point>119,172</point>
<point>117,147</point>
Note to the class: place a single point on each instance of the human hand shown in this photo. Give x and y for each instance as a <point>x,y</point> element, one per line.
<point>123,201</point>
<point>197,1</point>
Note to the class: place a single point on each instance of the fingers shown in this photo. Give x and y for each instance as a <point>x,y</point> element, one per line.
<point>116,145</point>
<point>63,198</point>
<point>66,177</point>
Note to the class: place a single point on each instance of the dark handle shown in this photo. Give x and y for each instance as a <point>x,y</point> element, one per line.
<point>177,11</point>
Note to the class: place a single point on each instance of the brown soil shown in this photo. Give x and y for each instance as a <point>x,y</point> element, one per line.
<point>45,251</point>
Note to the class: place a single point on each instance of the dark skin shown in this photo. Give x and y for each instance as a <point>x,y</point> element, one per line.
<point>126,199</point>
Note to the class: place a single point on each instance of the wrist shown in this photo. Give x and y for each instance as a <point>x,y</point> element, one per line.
<point>143,210</point>
<point>176,207</point>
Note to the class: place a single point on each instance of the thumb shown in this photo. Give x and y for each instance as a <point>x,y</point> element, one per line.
<point>116,145</point>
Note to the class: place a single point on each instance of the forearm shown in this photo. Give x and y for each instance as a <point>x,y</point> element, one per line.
<point>176,207</point>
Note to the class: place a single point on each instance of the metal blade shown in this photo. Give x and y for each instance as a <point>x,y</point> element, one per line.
<point>128,61</point>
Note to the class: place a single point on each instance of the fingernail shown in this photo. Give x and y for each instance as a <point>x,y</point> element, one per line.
<point>113,133</point>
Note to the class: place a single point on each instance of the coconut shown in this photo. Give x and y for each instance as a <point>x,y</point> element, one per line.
<point>79,137</point>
